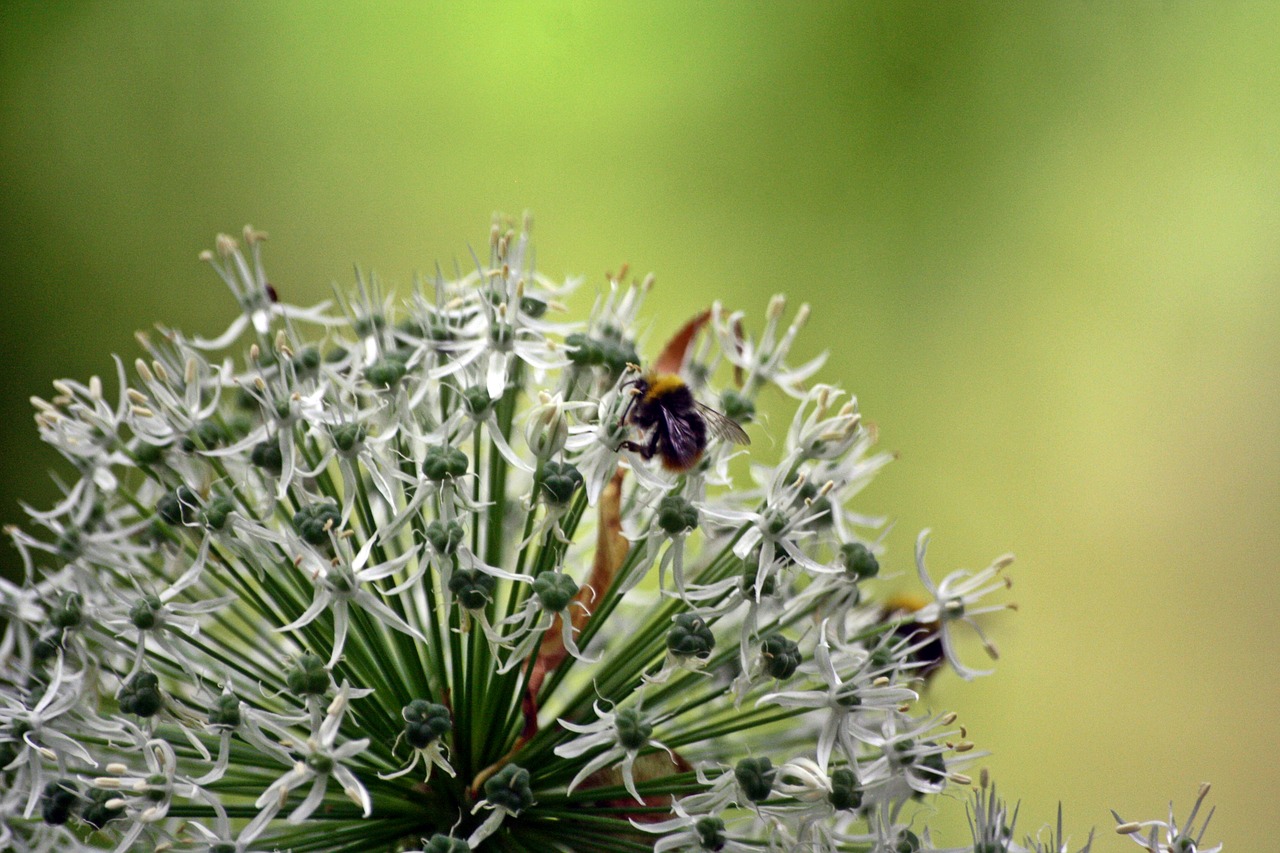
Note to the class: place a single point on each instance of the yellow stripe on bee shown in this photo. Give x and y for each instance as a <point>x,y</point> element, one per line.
<point>660,384</point>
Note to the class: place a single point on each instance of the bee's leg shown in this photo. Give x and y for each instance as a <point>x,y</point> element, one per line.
<point>626,412</point>
<point>645,450</point>
<point>648,451</point>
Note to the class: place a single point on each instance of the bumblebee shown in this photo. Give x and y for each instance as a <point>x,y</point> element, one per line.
<point>678,425</point>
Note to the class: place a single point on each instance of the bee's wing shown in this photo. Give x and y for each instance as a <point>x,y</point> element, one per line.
<point>683,441</point>
<point>722,426</point>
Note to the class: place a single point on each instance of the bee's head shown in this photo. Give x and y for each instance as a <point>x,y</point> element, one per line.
<point>640,383</point>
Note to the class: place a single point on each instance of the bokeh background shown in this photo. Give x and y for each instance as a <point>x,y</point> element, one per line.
<point>1041,240</point>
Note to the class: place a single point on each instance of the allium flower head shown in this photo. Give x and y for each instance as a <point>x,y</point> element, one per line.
<point>398,573</point>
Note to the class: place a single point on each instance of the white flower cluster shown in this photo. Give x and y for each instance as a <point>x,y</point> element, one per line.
<point>308,562</point>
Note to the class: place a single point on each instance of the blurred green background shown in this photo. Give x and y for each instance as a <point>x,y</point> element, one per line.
<point>1041,241</point>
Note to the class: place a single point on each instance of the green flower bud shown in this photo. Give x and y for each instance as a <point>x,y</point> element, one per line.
<point>225,712</point>
<point>385,373</point>
<point>755,777</point>
<point>554,590</point>
<point>69,544</point>
<point>845,795</point>
<point>532,307</point>
<point>307,360</point>
<point>689,637</point>
<point>509,788</point>
<point>143,612</point>
<point>412,327</point>
<point>775,522</point>
<point>45,649</point>
<point>559,481</point>
<point>781,656</point>
<point>438,329</point>
<point>477,400</point>
<point>320,763</point>
<point>425,722</point>
<point>500,336</point>
<point>141,695</point>
<point>584,351</point>
<point>284,409</point>
<point>710,832</point>
<point>737,407</point>
<point>676,515</point>
<point>446,538</point>
<point>67,612</point>
<point>367,325</point>
<point>858,560</point>
<point>750,572</point>
<point>268,457</point>
<point>633,730</point>
<point>617,355</point>
<point>444,844</point>
<point>95,812</point>
<point>315,521</point>
<point>215,516</point>
<point>952,608</point>
<point>308,677</point>
<point>472,587</point>
<point>157,787</point>
<point>932,761</point>
<point>60,799</point>
<point>347,438</point>
<point>178,507</point>
<point>442,463</point>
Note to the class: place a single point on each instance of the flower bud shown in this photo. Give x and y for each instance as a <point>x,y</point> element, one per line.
<point>314,521</point>
<point>755,777</point>
<point>225,712</point>
<point>268,457</point>
<point>444,844</point>
<point>781,656</point>
<point>632,729</point>
<point>690,637</point>
<point>141,695</point>
<point>472,588</point>
<point>308,677</point>
<point>559,481</point>
<point>676,515</point>
<point>554,590</point>
<point>425,722</point>
<point>442,463</point>
<point>60,799</point>
<point>446,538</point>
<point>547,428</point>
<point>509,789</point>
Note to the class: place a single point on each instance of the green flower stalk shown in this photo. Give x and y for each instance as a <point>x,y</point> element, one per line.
<point>451,573</point>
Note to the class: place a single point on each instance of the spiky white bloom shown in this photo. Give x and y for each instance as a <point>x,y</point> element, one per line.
<point>954,598</point>
<point>321,759</point>
<point>622,734</point>
<point>264,579</point>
